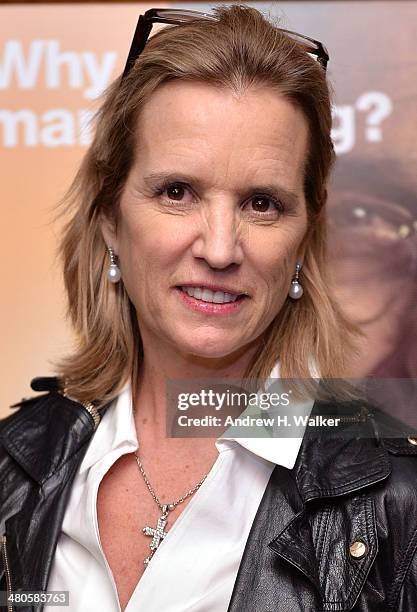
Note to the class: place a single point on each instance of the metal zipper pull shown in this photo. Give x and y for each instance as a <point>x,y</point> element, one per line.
<point>93,412</point>
<point>89,406</point>
<point>7,572</point>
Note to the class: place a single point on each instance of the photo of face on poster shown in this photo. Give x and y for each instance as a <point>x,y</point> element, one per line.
<point>373,232</point>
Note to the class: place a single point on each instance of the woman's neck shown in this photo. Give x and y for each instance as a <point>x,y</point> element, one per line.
<point>158,368</point>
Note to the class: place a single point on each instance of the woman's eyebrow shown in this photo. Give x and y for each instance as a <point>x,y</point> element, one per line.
<point>157,177</point>
<point>272,189</point>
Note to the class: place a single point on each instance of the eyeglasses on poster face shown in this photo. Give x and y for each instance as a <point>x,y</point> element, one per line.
<point>372,216</point>
<point>181,16</point>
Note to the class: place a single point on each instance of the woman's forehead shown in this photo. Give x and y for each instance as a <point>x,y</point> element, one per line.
<point>212,127</point>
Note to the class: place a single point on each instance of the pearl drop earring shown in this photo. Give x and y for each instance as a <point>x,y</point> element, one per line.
<point>113,273</point>
<point>296,290</point>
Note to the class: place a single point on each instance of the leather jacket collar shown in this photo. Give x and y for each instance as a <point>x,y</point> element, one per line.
<point>325,467</point>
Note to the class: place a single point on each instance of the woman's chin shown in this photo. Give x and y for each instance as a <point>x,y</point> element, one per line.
<point>215,347</point>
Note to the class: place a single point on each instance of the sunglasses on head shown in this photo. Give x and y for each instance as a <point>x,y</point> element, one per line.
<point>181,16</point>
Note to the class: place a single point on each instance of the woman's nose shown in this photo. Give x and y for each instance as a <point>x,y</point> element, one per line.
<point>219,239</point>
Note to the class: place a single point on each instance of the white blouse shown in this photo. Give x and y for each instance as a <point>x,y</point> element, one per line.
<point>195,566</point>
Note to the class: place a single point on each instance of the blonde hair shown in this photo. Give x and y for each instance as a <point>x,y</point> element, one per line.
<point>240,50</point>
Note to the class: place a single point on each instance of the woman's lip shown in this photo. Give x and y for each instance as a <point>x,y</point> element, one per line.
<point>210,307</point>
<point>212,287</point>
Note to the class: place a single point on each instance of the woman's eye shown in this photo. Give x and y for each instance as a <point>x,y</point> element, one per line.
<point>175,192</point>
<point>265,205</point>
<point>259,205</point>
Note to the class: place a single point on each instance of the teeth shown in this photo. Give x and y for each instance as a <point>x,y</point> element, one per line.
<point>206,295</point>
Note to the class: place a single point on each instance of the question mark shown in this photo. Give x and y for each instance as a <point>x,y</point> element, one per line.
<point>380,106</point>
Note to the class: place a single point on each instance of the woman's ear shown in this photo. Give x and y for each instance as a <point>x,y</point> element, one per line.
<point>108,230</point>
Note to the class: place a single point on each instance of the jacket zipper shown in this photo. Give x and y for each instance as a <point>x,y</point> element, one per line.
<point>350,419</point>
<point>7,571</point>
<point>89,406</point>
<point>358,417</point>
<point>93,412</point>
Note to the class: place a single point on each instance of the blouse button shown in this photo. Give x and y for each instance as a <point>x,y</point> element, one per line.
<point>412,441</point>
<point>358,549</point>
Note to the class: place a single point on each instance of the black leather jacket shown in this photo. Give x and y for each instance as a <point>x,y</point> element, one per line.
<point>299,555</point>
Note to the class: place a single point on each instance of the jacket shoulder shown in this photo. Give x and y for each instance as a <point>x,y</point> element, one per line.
<point>45,432</point>
<point>45,384</point>
<point>394,434</point>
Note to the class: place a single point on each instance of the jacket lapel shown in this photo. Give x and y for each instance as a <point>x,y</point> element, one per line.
<point>317,540</point>
<point>31,543</point>
<point>48,439</point>
<point>330,467</point>
<point>309,535</point>
<point>280,504</point>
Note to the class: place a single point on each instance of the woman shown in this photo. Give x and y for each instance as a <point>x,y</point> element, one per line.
<point>196,250</point>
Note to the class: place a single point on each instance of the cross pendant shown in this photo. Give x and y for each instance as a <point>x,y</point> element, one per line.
<point>157,533</point>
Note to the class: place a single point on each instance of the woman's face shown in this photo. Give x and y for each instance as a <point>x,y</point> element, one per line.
<point>213,204</point>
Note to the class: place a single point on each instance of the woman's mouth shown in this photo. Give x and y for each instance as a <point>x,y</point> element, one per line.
<point>208,301</point>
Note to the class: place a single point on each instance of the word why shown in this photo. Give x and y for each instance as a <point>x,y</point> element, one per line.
<point>45,62</point>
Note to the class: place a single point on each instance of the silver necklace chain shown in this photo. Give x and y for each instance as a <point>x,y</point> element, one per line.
<point>158,533</point>
<point>152,492</point>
